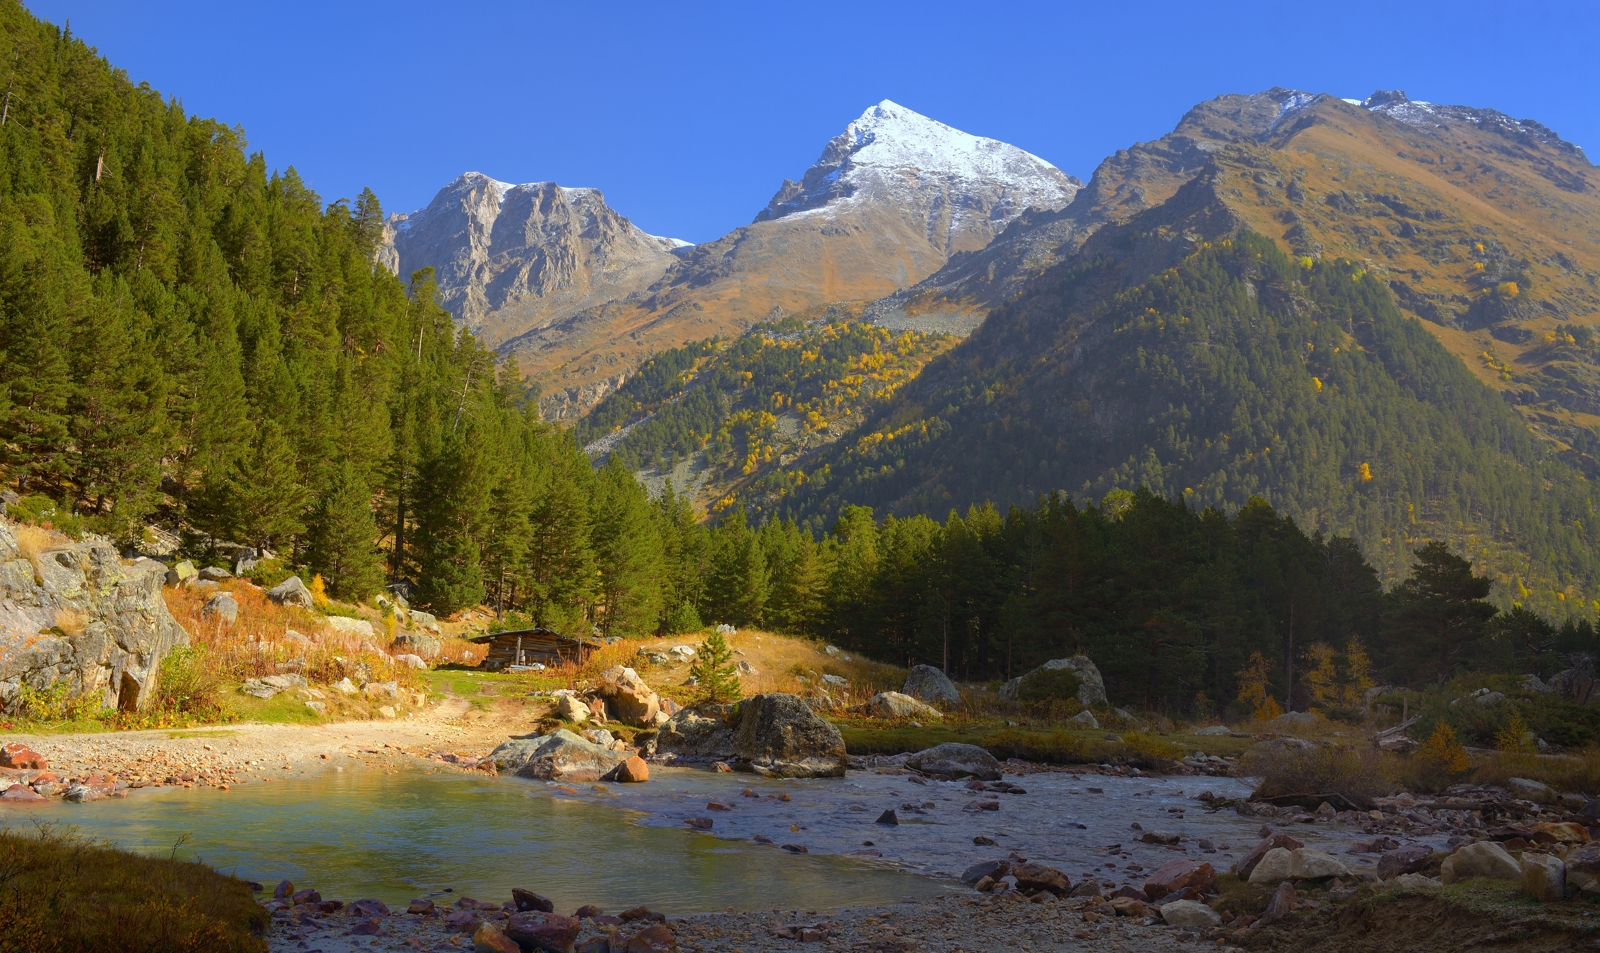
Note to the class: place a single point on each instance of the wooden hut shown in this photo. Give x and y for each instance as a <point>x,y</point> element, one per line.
<point>527,646</point>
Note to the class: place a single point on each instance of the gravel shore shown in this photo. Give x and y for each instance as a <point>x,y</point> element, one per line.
<point>955,923</point>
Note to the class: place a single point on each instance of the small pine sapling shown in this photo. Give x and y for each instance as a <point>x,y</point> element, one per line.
<point>714,671</point>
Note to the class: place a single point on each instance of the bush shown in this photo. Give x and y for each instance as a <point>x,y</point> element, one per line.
<point>188,685</point>
<point>682,619</point>
<point>269,572</point>
<point>1286,769</point>
<point>1049,685</point>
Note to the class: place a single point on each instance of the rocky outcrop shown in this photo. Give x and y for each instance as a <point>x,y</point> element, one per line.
<point>628,699</point>
<point>76,614</point>
<point>558,756</point>
<point>928,684</point>
<point>896,705</point>
<point>1091,687</point>
<point>292,592</point>
<point>776,735</point>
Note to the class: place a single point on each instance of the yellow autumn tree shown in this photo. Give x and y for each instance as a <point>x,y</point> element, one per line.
<point>1441,759</point>
<point>1514,738</point>
<point>1253,682</point>
<point>1357,673</point>
<point>319,590</point>
<point>1322,674</point>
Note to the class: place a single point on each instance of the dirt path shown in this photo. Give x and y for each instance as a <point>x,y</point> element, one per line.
<point>228,755</point>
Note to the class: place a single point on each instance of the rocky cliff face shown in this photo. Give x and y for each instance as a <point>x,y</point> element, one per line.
<point>510,257</point>
<point>75,613</point>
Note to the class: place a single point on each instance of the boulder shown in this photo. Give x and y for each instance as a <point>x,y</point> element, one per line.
<point>76,614</point>
<point>487,938</point>
<point>1583,868</point>
<point>21,757</point>
<point>1482,859</point>
<point>424,620</point>
<point>182,574</point>
<point>291,592</point>
<point>1248,862</point>
<point>896,705</point>
<point>558,756</point>
<point>1085,718</point>
<point>1031,877</point>
<point>657,938</point>
<point>1275,866</point>
<point>221,606</point>
<point>417,644</point>
<point>928,684</point>
<point>1403,860</point>
<point>1534,791</point>
<point>1308,864</point>
<point>992,869</point>
<point>215,573</point>
<point>955,760</point>
<point>1282,902</point>
<point>780,736</point>
<point>745,668</point>
<point>1544,877</point>
<point>537,930</point>
<point>348,626</point>
<point>1160,837</point>
<point>1188,913</point>
<point>1091,687</point>
<point>1177,875</point>
<point>697,735</point>
<point>1213,731</point>
<point>628,698</point>
<point>572,708</point>
<point>411,661</point>
<point>632,771</point>
<point>1414,881</point>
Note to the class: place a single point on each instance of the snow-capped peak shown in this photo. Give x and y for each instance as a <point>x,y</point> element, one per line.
<point>894,155</point>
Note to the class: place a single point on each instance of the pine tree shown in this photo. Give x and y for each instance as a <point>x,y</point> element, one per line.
<point>1436,616</point>
<point>684,543</point>
<point>714,671</point>
<point>736,585</point>
<point>261,500</point>
<point>561,570</point>
<point>341,537</point>
<point>628,553</point>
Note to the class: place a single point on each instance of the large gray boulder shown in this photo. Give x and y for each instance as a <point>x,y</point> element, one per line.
<point>955,760</point>
<point>703,734</point>
<point>1091,687</point>
<point>558,756</point>
<point>291,592</point>
<point>896,705</point>
<point>928,684</point>
<point>1482,859</point>
<point>76,613</point>
<point>779,736</point>
<point>416,643</point>
<point>221,606</point>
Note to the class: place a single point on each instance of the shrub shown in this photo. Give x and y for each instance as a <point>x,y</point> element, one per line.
<point>1286,768</point>
<point>1439,762</point>
<point>188,685</point>
<point>715,671</point>
<point>267,573</point>
<point>1049,685</point>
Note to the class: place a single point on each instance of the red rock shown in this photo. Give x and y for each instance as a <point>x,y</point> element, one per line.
<point>1283,901</point>
<point>422,907</point>
<point>1130,892</point>
<point>633,771</point>
<point>641,913</point>
<point>372,927</point>
<point>1248,862</point>
<point>1178,875</point>
<point>527,901</point>
<point>543,931</point>
<point>19,755</point>
<point>595,944</point>
<point>463,921</point>
<point>587,910</point>
<point>21,792</point>
<point>1405,860</point>
<point>489,939</point>
<point>653,939</point>
<point>1040,877</point>
<point>369,908</point>
<point>283,891</point>
<point>1127,907</point>
<point>699,823</point>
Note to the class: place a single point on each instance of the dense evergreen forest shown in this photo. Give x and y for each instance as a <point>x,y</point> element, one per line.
<point>192,340</point>
<point>1238,372</point>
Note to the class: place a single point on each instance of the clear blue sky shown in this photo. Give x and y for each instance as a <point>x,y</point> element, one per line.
<point>689,115</point>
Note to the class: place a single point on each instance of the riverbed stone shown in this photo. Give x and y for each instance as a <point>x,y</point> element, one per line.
<point>1535,791</point>
<point>780,736</point>
<point>1031,877</point>
<point>1403,860</point>
<point>1275,866</point>
<point>21,757</point>
<point>634,770</point>
<point>1247,863</point>
<point>1482,859</point>
<point>1091,686</point>
<point>993,869</point>
<point>897,705</point>
<point>292,592</point>
<point>572,708</point>
<point>1544,877</point>
<point>928,684</point>
<point>1282,902</point>
<point>956,760</point>
<point>1179,875</point>
<point>1583,868</point>
<point>1189,913</point>
<point>487,938</point>
<point>1309,864</point>
<point>543,931</point>
<point>699,734</point>
<point>655,938</point>
<point>526,900</point>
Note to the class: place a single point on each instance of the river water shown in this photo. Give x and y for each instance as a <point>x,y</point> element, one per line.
<point>397,834</point>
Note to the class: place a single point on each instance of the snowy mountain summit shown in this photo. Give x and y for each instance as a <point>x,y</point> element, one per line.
<point>968,187</point>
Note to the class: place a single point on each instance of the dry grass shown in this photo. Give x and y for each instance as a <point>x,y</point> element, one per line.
<point>1287,769</point>
<point>59,892</point>
<point>70,621</point>
<point>781,662</point>
<point>35,541</point>
<point>1577,773</point>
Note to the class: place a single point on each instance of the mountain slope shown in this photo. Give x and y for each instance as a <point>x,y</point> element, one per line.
<point>887,203</point>
<point>1184,352</point>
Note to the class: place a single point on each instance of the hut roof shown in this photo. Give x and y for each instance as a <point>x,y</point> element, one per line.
<point>539,632</point>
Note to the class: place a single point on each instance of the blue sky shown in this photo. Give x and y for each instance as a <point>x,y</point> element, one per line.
<point>689,115</point>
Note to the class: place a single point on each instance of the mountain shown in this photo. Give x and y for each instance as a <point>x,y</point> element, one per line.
<point>1256,330</point>
<point>1485,227</point>
<point>888,202</point>
<point>521,253</point>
